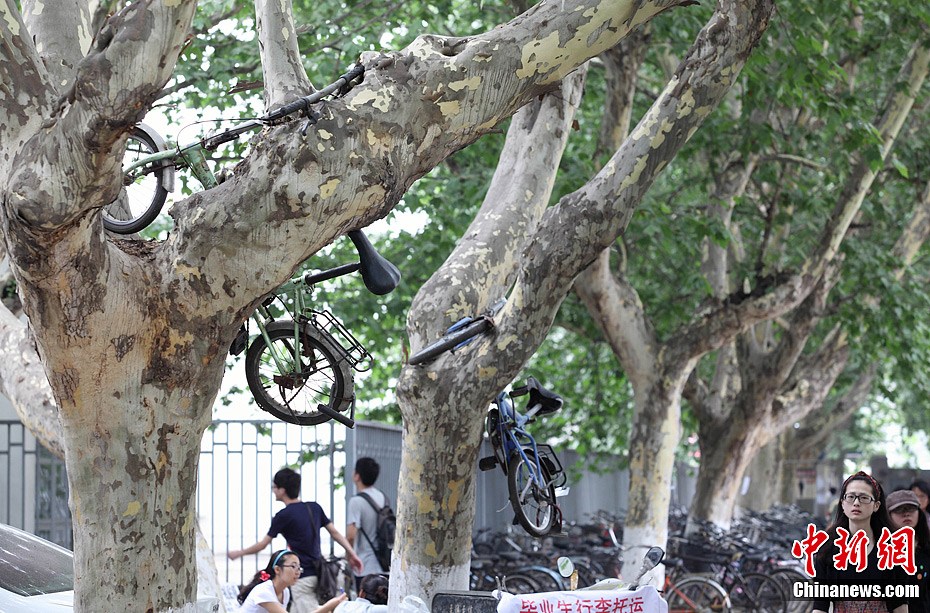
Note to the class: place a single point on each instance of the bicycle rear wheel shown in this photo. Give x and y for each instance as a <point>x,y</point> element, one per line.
<point>534,505</point>
<point>697,595</point>
<point>294,395</point>
<point>760,593</point>
<point>144,190</point>
<point>449,341</point>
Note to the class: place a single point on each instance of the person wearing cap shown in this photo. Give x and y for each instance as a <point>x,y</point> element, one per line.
<point>904,510</point>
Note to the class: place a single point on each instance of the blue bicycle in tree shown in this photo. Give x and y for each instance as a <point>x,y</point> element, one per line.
<point>533,471</point>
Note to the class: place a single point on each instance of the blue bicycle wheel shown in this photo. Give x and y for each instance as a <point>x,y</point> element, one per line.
<point>533,503</point>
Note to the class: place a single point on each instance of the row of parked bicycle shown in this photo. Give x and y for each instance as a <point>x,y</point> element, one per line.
<point>747,568</point>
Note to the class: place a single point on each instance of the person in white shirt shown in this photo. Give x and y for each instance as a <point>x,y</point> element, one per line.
<point>269,591</point>
<point>372,598</point>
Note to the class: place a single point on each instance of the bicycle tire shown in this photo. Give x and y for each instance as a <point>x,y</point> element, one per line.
<point>762,593</point>
<point>293,397</point>
<point>697,595</point>
<point>534,507</point>
<point>520,583</point>
<point>548,580</point>
<point>788,577</point>
<point>140,200</point>
<point>448,341</point>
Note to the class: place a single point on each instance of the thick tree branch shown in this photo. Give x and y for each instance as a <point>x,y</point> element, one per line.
<point>486,259</point>
<point>915,233</point>
<point>132,58</point>
<point>25,85</point>
<point>611,301</point>
<point>284,74</point>
<point>587,221</point>
<point>23,382</point>
<point>825,419</point>
<point>618,312</point>
<point>62,34</point>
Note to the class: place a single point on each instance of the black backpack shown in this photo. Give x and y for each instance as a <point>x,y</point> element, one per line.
<point>384,531</point>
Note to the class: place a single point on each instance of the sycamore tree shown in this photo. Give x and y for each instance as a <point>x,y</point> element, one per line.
<point>519,249</point>
<point>765,242</point>
<point>132,336</point>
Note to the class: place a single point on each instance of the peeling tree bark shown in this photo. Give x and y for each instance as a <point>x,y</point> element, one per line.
<point>658,371</point>
<point>133,337</point>
<point>443,403</point>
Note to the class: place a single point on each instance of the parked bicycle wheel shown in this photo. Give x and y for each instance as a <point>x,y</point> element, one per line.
<point>759,593</point>
<point>295,394</point>
<point>534,506</point>
<point>787,577</point>
<point>697,595</point>
<point>520,583</point>
<point>547,580</point>
<point>144,189</point>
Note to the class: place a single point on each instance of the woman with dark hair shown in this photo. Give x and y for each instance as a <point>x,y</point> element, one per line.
<point>372,597</point>
<point>269,589</point>
<point>904,510</point>
<point>861,507</point>
<point>921,489</point>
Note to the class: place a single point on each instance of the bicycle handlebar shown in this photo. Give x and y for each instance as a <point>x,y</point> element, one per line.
<point>212,142</point>
<point>305,102</point>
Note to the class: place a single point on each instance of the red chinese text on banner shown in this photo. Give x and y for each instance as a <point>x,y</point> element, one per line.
<point>897,549</point>
<point>808,547</point>
<point>850,550</point>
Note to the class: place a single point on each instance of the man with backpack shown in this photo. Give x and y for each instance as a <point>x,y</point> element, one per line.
<point>370,520</point>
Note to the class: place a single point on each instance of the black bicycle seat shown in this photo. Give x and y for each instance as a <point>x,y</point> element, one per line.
<point>549,402</point>
<point>380,276</point>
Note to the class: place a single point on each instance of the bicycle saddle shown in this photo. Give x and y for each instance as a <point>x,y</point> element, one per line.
<point>549,402</point>
<point>379,275</point>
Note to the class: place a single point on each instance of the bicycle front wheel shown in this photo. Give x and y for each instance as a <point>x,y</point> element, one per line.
<point>533,504</point>
<point>292,388</point>
<point>697,595</point>
<point>449,341</point>
<point>144,189</point>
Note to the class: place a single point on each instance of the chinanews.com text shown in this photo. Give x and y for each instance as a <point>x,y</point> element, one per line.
<point>803,590</point>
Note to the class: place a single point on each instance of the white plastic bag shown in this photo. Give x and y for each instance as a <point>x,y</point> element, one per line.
<point>413,604</point>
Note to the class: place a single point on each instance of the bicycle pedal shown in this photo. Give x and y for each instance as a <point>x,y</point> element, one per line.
<point>487,463</point>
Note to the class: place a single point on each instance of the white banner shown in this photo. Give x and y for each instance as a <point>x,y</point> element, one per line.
<point>644,600</point>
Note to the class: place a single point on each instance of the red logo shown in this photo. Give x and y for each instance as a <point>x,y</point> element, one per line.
<point>894,549</point>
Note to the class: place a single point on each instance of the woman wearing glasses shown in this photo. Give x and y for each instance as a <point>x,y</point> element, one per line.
<point>859,511</point>
<point>269,589</point>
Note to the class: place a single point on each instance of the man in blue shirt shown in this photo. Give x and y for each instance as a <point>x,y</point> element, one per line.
<point>300,524</point>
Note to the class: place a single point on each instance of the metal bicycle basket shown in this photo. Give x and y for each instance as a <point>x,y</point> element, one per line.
<point>352,350</point>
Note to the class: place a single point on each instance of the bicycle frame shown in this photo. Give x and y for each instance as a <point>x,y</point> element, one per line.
<point>193,155</point>
<point>511,428</point>
<point>298,289</point>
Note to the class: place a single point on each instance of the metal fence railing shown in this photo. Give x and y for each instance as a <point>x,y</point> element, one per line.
<point>237,462</point>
